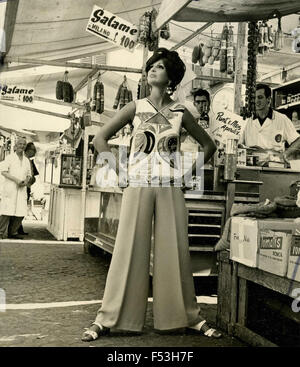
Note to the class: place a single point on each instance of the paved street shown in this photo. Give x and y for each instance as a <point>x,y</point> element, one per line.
<point>48,288</point>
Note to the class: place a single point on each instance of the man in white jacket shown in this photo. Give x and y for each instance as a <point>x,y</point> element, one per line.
<point>17,173</point>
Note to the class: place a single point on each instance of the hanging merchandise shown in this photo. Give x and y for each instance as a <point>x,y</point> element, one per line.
<point>68,92</point>
<point>278,37</point>
<point>270,37</point>
<point>124,95</point>
<point>216,48</point>
<point>196,54</point>
<point>296,41</point>
<point>143,88</point>
<point>266,36</point>
<point>64,90</point>
<point>223,55</point>
<point>153,34</point>
<point>98,96</point>
<point>165,32</point>
<point>59,90</point>
<point>254,39</point>
<point>230,54</point>
<point>74,132</point>
<point>207,51</point>
<point>261,38</point>
<point>144,28</point>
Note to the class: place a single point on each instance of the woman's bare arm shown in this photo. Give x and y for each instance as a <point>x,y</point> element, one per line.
<point>121,118</point>
<point>198,133</point>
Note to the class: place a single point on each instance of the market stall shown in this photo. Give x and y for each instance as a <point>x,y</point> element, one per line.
<point>237,175</point>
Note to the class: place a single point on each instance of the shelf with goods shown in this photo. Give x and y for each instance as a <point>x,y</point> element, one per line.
<point>286,99</point>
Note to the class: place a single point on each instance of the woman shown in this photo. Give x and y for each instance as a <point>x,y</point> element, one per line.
<point>157,121</point>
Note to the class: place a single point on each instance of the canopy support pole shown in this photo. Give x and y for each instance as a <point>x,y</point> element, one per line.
<point>37,110</point>
<point>85,80</point>
<point>276,72</point>
<point>84,165</point>
<point>187,39</point>
<point>31,109</point>
<point>25,60</point>
<point>57,102</point>
<point>238,75</point>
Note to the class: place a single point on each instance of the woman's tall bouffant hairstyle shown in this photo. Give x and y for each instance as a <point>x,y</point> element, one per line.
<point>175,67</point>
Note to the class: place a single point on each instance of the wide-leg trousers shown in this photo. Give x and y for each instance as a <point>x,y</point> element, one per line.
<point>126,292</point>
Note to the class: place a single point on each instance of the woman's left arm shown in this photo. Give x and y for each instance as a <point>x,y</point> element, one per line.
<point>199,134</point>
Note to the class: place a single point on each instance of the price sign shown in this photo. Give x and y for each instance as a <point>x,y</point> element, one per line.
<point>16,93</point>
<point>227,125</point>
<point>112,28</point>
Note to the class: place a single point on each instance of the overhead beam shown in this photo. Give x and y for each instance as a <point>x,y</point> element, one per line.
<point>215,78</point>
<point>187,39</point>
<point>79,65</point>
<point>31,109</point>
<point>276,72</point>
<point>225,80</point>
<point>108,47</point>
<point>37,110</point>
<point>58,102</point>
<point>85,80</point>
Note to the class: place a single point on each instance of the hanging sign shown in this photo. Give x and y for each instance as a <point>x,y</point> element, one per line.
<point>112,28</point>
<point>227,125</point>
<point>16,93</point>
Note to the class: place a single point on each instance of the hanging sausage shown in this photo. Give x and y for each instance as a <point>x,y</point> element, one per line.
<point>68,92</point>
<point>230,55</point>
<point>64,90</point>
<point>98,96</point>
<point>254,39</point>
<point>223,53</point>
<point>124,95</point>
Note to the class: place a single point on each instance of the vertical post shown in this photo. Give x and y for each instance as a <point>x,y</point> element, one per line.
<point>238,77</point>
<point>84,165</point>
<point>144,77</point>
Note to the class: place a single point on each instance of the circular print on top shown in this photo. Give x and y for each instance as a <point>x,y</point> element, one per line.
<point>166,146</point>
<point>278,138</point>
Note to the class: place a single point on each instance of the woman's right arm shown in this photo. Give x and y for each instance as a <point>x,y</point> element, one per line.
<point>121,118</point>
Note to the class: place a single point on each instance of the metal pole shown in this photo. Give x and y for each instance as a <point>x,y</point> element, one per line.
<point>25,60</point>
<point>183,42</point>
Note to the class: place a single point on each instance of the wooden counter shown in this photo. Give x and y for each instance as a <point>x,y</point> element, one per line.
<point>64,208</point>
<point>233,285</point>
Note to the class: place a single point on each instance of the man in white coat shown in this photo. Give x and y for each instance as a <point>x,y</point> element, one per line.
<point>17,173</point>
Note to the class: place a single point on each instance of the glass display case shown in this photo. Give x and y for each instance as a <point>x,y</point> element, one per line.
<point>71,170</point>
<point>64,170</point>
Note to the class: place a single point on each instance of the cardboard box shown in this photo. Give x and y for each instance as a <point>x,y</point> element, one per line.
<point>293,271</point>
<point>274,251</point>
<point>246,233</point>
<point>244,241</point>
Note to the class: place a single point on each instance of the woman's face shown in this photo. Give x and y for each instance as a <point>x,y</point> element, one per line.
<point>157,74</point>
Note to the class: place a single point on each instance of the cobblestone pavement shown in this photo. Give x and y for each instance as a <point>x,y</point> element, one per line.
<point>33,273</point>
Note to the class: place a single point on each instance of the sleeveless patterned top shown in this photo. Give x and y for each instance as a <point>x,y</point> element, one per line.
<point>155,146</point>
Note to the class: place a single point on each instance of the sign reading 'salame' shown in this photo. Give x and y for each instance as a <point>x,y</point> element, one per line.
<point>112,28</point>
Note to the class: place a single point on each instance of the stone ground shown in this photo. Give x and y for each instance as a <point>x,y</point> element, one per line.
<point>32,273</point>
